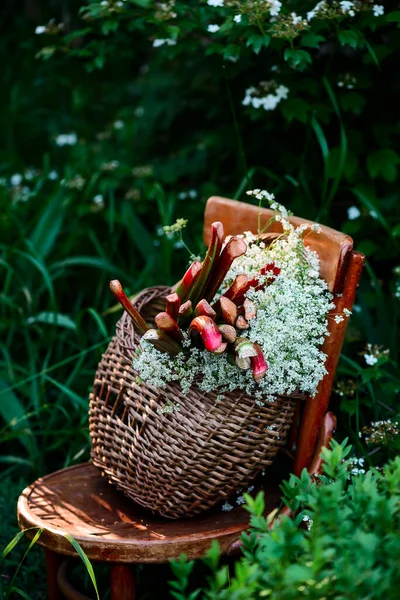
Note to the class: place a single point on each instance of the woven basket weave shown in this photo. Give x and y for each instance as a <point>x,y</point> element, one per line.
<point>183,462</point>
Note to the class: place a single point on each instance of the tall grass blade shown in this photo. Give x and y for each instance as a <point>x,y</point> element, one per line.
<point>85,561</point>
<point>10,587</point>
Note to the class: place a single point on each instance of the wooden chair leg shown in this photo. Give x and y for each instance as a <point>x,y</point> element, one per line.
<point>123,582</point>
<point>53,563</point>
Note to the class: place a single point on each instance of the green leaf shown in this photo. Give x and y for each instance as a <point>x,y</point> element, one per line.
<point>109,26</point>
<point>349,37</point>
<point>393,17</point>
<point>257,41</point>
<point>85,561</point>
<point>297,573</point>
<point>52,318</point>
<point>311,40</point>
<point>10,586</point>
<point>295,109</point>
<point>352,102</point>
<point>383,163</point>
<point>298,59</point>
<point>13,413</point>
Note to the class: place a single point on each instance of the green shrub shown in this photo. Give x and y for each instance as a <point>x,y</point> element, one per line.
<point>344,543</point>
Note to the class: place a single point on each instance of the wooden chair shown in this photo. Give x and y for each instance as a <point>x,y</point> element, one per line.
<point>110,528</point>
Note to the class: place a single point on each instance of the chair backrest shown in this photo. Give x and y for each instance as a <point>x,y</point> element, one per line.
<point>340,267</point>
<point>333,247</point>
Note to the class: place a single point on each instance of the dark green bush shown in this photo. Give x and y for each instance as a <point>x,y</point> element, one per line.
<point>344,543</point>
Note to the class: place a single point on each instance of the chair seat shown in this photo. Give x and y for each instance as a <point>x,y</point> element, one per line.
<point>112,528</point>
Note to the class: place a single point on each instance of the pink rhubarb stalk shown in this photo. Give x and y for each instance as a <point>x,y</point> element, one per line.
<point>258,364</point>
<point>203,308</point>
<point>228,333</point>
<point>233,249</point>
<point>186,309</point>
<point>166,323</point>
<point>237,288</point>
<point>228,310</point>
<point>138,321</point>
<point>209,332</point>
<point>212,256</point>
<point>188,280</point>
<point>172,305</point>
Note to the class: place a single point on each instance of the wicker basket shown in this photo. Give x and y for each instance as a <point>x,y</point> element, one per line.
<point>183,462</point>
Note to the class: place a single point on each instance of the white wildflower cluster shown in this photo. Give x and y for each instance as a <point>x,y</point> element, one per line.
<point>378,10</point>
<point>274,7</point>
<point>373,353</point>
<point>355,466</point>
<point>216,3</point>
<point>308,521</point>
<point>192,194</point>
<point>347,8</point>
<point>266,95</point>
<point>161,42</point>
<point>347,81</point>
<point>343,8</point>
<point>290,324</point>
<point>353,212</point>
<point>66,139</point>
<point>380,433</point>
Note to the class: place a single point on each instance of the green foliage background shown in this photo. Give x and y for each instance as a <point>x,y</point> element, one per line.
<point>158,130</point>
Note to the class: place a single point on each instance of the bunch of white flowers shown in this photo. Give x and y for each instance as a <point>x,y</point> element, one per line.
<point>290,323</point>
<point>258,97</point>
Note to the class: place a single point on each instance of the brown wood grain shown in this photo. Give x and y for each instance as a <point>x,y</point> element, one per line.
<point>112,528</point>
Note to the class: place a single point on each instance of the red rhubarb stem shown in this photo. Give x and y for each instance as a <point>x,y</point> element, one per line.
<point>213,253</point>
<point>233,249</point>
<point>258,364</point>
<point>210,334</point>
<point>172,305</point>
<point>166,323</point>
<point>138,321</point>
<point>188,280</point>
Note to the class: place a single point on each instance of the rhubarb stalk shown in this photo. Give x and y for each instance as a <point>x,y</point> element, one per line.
<point>188,280</point>
<point>233,249</point>
<point>166,323</point>
<point>213,252</point>
<point>209,332</point>
<point>258,364</point>
<point>138,321</point>
<point>172,305</point>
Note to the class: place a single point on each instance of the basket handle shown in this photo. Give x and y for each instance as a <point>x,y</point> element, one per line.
<point>326,433</point>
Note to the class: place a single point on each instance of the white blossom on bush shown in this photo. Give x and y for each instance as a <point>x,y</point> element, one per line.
<point>158,42</point>
<point>269,101</point>
<point>348,8</point>
<point>16,179</point>
<point>353,213</point>
<point>237,18</point>
<point>274,7</point>
<point>66,139</point>
<point>40,29</point>
<point>213,28</point>
<point>378,10</point>
<point>370,359</point>
<point>216,3</point>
